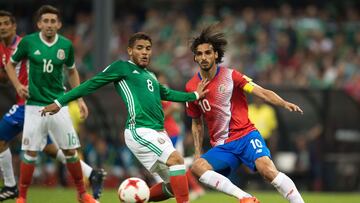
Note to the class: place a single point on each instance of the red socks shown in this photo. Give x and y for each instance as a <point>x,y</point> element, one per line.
<point>76,173</point>
<point>159,192</point>
<point>26,173</point>
<point>193,184</point>
<point>179,183</point>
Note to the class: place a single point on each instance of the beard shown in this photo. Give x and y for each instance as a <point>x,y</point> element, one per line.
<point>206,67</point>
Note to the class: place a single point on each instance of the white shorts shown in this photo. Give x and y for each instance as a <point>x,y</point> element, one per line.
<point>58,126</point>
<point>151,148</point>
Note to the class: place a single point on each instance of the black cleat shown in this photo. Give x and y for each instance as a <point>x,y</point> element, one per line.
<point>8,193</point>
<point>96,180</point>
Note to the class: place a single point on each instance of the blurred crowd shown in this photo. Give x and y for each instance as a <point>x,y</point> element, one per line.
<point>307,47</point>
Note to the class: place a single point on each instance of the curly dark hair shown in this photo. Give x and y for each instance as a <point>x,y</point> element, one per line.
<point>210,35</point>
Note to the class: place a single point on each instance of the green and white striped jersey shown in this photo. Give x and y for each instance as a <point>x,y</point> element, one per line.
<point>46,62</point>
<point>138,88</point>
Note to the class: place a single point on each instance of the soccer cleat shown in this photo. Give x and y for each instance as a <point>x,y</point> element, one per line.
<point>85,198</point>
<point>96,180</point>
<point>20,200</point>
<point>249,200</point>
<point>8,193</point>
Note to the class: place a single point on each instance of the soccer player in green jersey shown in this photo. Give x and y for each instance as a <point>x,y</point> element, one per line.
<point>144,134</point>
<point>47,53</point>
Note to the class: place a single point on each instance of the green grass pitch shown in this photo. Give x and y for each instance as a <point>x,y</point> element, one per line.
<point>60,195</point>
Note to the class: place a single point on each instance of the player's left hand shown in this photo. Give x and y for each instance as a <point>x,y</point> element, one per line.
<point>84,112</point>
<point>51,108</point>
<point>293,107</point>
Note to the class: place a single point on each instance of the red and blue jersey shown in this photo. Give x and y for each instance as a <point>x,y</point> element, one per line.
<point>21,68</point>
<point>224,108</point>
<point>170,125</point>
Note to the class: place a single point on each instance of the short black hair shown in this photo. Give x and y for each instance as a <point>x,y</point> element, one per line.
<point>8,14</point>
<point>139,36</point>
<point>47,9</point>
<point>210,35</point>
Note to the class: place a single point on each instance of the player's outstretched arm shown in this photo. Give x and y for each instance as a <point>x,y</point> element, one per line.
<point>275,99</point>
<point>177,96</point>
<point>20,88</point>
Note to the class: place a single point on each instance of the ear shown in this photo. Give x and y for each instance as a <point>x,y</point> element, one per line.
<point>38,25</point>
<point>59,25</point>
<point>129,50</point>
<point>216,55</point>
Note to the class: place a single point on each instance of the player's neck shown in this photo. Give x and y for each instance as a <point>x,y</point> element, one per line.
<point>210,74</point>
<point>9,40</point>
<point>48,39</point>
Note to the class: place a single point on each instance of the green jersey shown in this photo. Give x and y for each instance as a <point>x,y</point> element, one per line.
<point>46,62</point>
<point>138,88</point>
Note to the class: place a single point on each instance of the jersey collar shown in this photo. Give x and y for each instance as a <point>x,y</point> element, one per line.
<point>217,72</point>
<point>47,43</point>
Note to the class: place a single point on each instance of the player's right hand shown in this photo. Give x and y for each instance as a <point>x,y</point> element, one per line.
<point>22,91</point>
<point>201,88</point>
<point>51,108</point>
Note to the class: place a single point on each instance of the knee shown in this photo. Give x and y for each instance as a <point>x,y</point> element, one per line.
<point>200,166</point>
<point>69,152</point>
<point>175,159</point>
<point>266,168</point>
<point>3,145</point>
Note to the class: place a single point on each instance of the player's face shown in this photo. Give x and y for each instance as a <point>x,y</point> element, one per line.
<point>140,53</point>
<point>49,24</point>
<point>7,28</point>
<point>205,56</point>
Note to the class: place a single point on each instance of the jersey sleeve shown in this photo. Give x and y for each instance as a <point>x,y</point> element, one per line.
<point>70,61</point>
<point>176,96</point>
<point>20,51</point>
<point>3,58</point>
<point>112,73</point>
<point>243,82</point>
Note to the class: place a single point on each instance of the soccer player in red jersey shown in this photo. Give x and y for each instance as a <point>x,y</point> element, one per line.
<point>234,138</point>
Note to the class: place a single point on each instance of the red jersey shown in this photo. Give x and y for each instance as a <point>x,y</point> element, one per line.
<point>21,68</point>
<point>224,108</point>
<point>170,125</point>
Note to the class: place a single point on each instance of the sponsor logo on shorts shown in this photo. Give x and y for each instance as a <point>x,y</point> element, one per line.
<point>26,141</point>
<point>161,140</point>
<point>258,151</point>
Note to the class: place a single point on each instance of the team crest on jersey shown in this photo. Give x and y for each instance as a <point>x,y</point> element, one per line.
<point>221,88</point>
<point>61,54</point>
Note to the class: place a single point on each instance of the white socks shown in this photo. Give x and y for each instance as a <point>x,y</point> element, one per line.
<point>223,184</point>
<point>7,168</point>
<point>86,169</point>
<point>287,188</point>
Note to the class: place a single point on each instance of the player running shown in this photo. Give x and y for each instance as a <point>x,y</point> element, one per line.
<point>47,53</point>
<point>12,122</point>
<point>234,138</point>
<point>144,134</point>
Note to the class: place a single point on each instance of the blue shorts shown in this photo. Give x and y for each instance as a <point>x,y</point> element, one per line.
<point>174,139</point>
<point>228,157</point>
<point>12,123</point>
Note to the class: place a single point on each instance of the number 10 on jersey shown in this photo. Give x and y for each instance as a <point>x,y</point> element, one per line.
<point>205,105</point>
